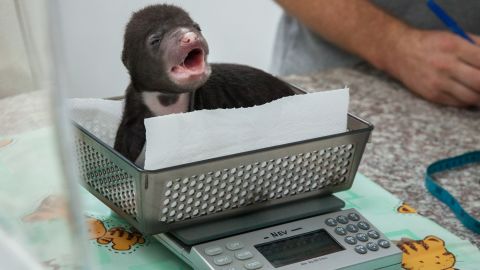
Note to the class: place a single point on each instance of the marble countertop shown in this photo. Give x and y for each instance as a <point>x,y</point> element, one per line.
<point>24,112</point>
<point>410,133</point>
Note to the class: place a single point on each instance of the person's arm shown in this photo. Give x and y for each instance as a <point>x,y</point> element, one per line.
<point>436,65</point>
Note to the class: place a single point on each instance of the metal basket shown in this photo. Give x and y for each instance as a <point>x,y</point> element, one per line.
<point>167,199</point>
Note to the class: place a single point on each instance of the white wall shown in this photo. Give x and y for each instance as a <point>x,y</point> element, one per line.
<point>240,31</point>
<point>15,72</point>
<point>24,46</point>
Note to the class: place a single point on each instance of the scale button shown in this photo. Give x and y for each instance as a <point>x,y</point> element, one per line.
<point>362,237</point>
<point>373,234</point>
<point>331,222</point>
<point>363,225</point>
<point>353,217</point>
<point>222,260</point>
<point>252,265</point>
<point>350,240</point>
<point>234,245</point>
<point>352,228</point>
<point>243,255</point>
<point>340,231</point>
<point>212,251</point>
<point>383,243</point>
<point>372,246</point>
<point>361,249</point>
<point>342,219</point>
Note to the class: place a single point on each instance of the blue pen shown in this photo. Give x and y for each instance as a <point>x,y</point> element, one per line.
<point>448,21</point>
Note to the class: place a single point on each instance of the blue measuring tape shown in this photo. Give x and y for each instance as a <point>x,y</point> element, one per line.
<point>440,193</point>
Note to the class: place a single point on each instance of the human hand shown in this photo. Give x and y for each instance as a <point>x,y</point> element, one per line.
<point>438,65</point>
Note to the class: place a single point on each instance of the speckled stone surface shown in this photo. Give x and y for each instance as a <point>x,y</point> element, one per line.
<point>409,134</point>
<point>24,112</point>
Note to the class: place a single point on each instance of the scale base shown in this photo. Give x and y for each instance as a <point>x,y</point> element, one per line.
<point>309,243</point>
<point>274,215</point>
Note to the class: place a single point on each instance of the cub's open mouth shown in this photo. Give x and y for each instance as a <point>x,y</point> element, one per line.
<point>193,64</point>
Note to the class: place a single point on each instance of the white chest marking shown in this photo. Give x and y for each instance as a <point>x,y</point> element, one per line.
<point>153,103</point>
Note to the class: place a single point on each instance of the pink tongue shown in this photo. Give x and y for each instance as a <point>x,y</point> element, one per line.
<point>193,60</point>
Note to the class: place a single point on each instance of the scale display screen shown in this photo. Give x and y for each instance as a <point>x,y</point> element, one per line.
<point>299,248</point>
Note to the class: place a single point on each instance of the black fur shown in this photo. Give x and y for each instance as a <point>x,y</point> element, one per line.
<point>236,86</point>
<point>228,86</point>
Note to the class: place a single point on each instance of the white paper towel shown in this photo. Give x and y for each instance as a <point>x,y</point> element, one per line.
<point>199,135</point>
<point>183,138</point>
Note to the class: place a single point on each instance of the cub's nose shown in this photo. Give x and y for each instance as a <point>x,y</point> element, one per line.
<point>189,37</point>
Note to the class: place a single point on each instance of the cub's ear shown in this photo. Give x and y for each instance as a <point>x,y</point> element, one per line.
<point>433,240</point>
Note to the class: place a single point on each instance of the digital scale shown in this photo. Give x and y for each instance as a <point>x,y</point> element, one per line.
<point>342,239</point>
<point>270,208</point>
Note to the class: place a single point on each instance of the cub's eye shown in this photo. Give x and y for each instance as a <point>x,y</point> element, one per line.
<point>196,26</point>
<point>154,42</point>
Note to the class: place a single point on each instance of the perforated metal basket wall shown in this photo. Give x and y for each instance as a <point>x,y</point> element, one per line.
<point>163,200</point>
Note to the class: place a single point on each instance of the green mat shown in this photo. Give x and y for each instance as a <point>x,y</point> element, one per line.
<point>39,222</point>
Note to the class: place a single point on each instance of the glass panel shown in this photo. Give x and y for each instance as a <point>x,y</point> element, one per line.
<point>37,225</point>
